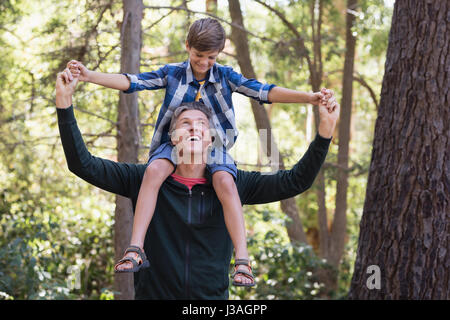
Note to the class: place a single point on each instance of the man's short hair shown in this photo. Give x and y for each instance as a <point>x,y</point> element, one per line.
<point>195,105</point>
<point>206,35</point>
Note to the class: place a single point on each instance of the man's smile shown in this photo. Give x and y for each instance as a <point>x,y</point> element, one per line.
<point>194,138</point>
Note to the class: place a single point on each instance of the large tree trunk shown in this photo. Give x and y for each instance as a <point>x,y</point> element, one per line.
<point>294,228</point>
<point>405,225</point>
<point>128,137</point>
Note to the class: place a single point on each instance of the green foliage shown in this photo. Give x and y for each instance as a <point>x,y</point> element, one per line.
<point>56,231</point>
<point>282,270</point>
<point>41,237</point>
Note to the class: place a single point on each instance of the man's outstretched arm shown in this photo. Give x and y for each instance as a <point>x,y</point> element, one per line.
<point>118,178</point>
<point>255,188</point>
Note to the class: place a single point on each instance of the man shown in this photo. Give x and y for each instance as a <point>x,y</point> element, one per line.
<point>187,242</point>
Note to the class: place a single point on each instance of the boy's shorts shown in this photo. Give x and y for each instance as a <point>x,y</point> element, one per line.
<point>217,159</point>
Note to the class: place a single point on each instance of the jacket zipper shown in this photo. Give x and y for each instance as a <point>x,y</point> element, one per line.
<point>186,275</point>
<point>202,208</point>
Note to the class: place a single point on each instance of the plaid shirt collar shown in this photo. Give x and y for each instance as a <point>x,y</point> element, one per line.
<point>213,76</point>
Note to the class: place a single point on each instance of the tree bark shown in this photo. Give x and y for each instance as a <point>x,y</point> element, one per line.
<point>239,37</point>
<point>405,225</point>
<point>315,77</point>
<point>128,137</point>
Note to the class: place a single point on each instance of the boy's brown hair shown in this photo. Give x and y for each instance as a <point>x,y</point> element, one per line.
<point>206,35</point>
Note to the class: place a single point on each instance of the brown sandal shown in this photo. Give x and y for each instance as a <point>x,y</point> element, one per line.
<point>137,265</point>
<point>249,275</point>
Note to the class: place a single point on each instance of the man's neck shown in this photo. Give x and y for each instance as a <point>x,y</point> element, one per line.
<point>191,170</point>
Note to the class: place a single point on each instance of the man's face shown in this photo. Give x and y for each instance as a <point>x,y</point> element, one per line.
<point>201,61</point>
<point>192,136</point>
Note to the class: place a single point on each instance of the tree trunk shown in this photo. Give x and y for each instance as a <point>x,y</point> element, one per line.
<point>332,242</point>
<point>405,225</point>
<point>128,137</point>
<point>339,226</point>
<point>294,227</point>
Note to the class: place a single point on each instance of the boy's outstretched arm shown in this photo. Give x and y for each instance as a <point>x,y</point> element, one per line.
<point>255,187</point>
<point>284,95</point>
<point>109,80</point>
<point>119,178</point>
<point>266,93</point>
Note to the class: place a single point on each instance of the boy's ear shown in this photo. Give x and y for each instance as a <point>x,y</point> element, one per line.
<point>187,46</point>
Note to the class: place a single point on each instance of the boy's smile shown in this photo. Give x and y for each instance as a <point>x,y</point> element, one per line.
<point>201,61</point>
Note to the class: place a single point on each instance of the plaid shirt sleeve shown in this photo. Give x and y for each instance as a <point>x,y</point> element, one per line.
<point>251,88</point>
<point>152,80</point>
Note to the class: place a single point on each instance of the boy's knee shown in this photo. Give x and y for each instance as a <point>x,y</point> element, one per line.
<point>160,168</point>
<point>224,181</point>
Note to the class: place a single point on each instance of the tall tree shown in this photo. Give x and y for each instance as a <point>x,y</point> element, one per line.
<point>128,136</point>
<point>404,247</point>
<point>294,228</point>
<point>331,241</point>
<point>336,241</point>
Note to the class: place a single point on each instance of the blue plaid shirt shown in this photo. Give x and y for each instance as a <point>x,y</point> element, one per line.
<point>181,86</point>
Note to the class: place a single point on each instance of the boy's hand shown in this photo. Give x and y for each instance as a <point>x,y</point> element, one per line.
<point>315,98</point>
<point>78,70</point>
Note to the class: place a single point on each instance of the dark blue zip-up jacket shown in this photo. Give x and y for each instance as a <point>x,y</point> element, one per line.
<point>187,242</point>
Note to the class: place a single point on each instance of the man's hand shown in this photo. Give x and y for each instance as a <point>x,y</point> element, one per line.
<point>78,70</point>
<point>321,97</point>
<point>328,114</point>
<point>65,87</point>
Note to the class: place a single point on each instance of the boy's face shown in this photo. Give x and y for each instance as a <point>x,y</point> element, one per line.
<point>201,61</point>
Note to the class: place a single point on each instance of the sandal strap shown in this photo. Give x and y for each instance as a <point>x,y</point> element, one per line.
<point>245,273</point>
<point>126,259</point>
<point>138,250</point>
<point>242,262</point>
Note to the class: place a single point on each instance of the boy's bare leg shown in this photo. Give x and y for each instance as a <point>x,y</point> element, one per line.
<point>155,174</point>
<point>228,195</point>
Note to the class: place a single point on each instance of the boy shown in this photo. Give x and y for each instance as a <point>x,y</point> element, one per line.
<point>199,78</point>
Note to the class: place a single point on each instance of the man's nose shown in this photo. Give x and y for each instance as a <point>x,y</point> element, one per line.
<point>196,128</point>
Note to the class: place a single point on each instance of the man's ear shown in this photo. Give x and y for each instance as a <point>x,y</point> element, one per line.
<point>171,137</point>
<point>174,136</point>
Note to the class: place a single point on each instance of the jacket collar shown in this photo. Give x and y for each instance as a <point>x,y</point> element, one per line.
<point>208,177</point>
<point>213,73</point>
